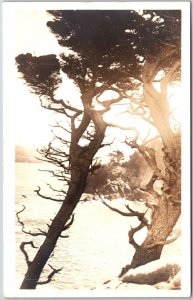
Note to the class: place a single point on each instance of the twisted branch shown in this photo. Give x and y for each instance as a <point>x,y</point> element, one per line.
<point>22,248</point>
<point>131,233</point>
<point>47,197</point>
<point>23,226</point>
<point>50,276</point>
<point>125,214</point>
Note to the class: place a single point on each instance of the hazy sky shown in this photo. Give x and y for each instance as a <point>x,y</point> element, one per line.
<point>31,35</point>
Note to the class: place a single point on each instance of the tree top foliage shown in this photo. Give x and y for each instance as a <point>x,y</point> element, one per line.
<point>108,47</point>
<point>42,73</point>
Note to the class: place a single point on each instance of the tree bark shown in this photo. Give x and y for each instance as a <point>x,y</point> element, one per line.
<point>164,220</point>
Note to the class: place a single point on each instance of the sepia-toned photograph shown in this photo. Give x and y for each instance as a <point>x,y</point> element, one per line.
<point>97,149</point>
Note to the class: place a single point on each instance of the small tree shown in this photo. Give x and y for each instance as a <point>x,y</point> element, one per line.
<point>136,170</point>
<point>117,51</point>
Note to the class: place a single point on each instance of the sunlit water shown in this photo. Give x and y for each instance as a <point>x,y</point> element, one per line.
<point>97,247</point>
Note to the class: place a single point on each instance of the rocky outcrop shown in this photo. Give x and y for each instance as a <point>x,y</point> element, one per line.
<point>160,274</point>
<point>172,284</point>
<point>153,272</point>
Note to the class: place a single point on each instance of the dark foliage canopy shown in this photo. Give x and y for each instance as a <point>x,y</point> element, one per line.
<point>107,48</point>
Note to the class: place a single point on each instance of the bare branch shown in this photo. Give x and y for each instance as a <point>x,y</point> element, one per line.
<point>47,197</point>
<point>22,248</point>
<point>124,128</point>
<point>59,138</point>
<point>17,214</point>
<point>139,108</point>
<point>61,175</point>
<point>58,110</point>
<point>54,157</point>
<point>55,190</point>
<point>64,236</point>
<point>107,144</point>
<point>58,125</point>
<point>141,216</point>
<point>51,151</point>
<point>135,213</point>
<point>132,213</point>
<point>50,276</point>
<point>107,103</point>
<point>131,233</point>
<point>43,232</point>
<point>65,105</point>
<point>49,106</point>
<point>125,214</point>
<point>60,106</point>
<point>23,226</point>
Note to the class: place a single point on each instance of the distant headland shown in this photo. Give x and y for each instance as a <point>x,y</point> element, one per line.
<point>26,154</point>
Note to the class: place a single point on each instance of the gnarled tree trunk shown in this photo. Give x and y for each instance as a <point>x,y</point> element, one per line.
<point>163,222</point>
<point>167,207</point>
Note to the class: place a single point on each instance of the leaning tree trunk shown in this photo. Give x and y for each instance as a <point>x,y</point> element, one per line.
<point>35,268</point>
<point>80,166</point>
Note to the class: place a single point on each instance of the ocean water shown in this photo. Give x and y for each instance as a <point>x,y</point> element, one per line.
<point>97,247</point>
